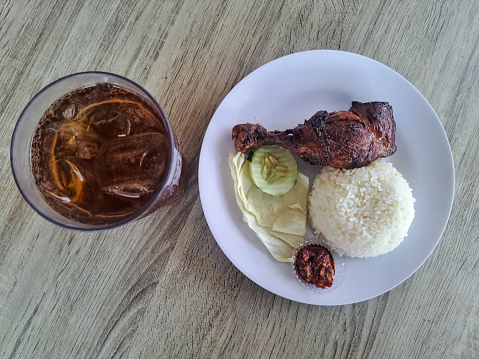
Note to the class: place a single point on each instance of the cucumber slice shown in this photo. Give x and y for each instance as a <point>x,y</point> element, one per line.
<point>273,170</point>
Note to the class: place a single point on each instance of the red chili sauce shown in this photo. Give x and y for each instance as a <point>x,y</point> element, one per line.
<point>315,264</point>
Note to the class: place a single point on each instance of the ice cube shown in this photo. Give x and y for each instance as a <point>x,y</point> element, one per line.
<point>106,119</point>
<point>116,126</point>
<point>141,119</point>
<point>132,167</point>
<point>70,138</point>
<point>69,112</point>
<point>119,118</point>
<point>72,181</point>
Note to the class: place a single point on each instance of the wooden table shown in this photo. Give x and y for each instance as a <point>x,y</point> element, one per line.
<point>161,286</point>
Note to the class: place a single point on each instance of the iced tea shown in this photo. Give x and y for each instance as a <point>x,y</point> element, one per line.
<point>99,154</point>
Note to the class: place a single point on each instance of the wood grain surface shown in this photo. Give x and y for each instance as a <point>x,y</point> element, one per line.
<point>161,287</point>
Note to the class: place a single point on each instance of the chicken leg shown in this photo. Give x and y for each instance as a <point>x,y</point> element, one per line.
<point>342,139</point>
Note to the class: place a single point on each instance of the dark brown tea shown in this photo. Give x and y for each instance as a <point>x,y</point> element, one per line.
<point>99,154</point>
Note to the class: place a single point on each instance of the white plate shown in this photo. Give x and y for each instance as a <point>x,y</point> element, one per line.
<point>281,95</point>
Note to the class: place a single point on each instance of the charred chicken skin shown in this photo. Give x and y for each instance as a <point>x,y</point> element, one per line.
<point>342,139</point>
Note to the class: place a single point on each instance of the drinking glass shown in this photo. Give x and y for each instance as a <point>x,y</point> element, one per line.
<point>170,189</point>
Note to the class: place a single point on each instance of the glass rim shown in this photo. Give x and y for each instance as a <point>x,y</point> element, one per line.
<point>137,214</point>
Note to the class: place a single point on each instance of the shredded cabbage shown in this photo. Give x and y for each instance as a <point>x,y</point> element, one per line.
<point>279,221</point>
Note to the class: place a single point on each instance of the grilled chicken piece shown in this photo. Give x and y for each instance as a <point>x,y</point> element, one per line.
<point>342,139</point>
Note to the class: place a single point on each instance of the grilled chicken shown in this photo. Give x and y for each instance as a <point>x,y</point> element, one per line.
<point>342,139</point>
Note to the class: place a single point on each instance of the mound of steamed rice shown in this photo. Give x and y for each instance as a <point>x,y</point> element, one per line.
<point>363,212</point>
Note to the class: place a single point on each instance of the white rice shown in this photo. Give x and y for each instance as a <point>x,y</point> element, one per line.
<point>362,212</point>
